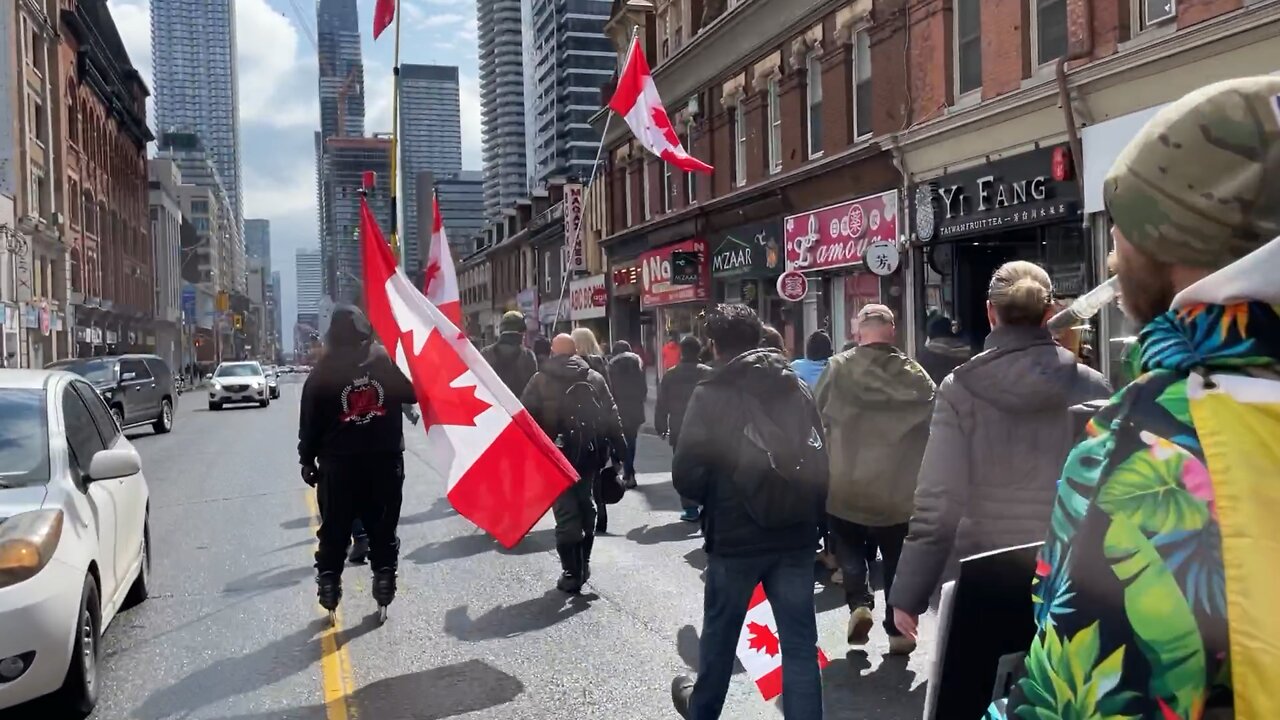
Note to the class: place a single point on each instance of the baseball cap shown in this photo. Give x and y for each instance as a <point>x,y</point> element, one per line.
<point>1200,184</point>
<point>875,311</point>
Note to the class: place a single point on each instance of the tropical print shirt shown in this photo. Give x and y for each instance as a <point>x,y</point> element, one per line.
<point>1129,591</point>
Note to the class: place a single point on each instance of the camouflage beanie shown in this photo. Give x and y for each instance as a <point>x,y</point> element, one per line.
<point>512,321</point>
<point>1200,184</point>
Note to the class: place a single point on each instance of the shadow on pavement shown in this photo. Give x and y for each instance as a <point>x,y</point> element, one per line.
<point>687,648</point>
<point>508,621</point>
<point>658,493</point>
<point>678,530</point>
<point>439,510</point>
<point>240,675</point>
<point>435,694</point>
<point>884,694</point>
<point>465,546</point>
<point>272,579</point>
<point>301,523</point>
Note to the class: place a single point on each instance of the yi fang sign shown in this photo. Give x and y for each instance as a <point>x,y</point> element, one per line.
<point>838,236</point>
<point>656,282</point>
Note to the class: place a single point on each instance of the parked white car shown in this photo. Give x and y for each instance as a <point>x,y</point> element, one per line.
<point>238,382</point>
<point>74,538</point>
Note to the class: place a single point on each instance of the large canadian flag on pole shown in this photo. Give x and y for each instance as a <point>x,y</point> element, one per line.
<point>441,282</point>
<point>637,101</point>
<point>759,648</point>
<point>502,471</point>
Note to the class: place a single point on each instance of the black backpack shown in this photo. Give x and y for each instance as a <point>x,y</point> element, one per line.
<point>782,461</point>
<point>580,427</point>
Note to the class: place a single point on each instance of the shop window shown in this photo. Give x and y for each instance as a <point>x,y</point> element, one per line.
<point>861,84</point>
<point>739,145</point>
<point>690,179</point>
<point>666,187</point>
<point>627,199</point>
<point>968,59</point>
<point>775,126</point>
<point>813,106</point>
<point>1156,11</point>
<point>644,190</point>
<point>1050,23</point>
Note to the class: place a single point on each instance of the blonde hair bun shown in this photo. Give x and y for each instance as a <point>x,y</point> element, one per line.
<point>1020,292</point>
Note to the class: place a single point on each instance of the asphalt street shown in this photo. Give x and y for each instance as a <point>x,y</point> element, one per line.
<point>233,630</point>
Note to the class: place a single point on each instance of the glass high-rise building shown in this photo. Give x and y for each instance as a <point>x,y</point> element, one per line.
<point>257,240</point>
<point>430,141</point>
<point>502,103</point>
<point>193,47</point>
<point>345,162</point>
<point>341,69</point>
<point>309,273</point>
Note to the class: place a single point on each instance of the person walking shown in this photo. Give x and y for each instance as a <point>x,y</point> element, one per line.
<point>875,404</point>
<point>573,405</point>
<point>673,399</point>
<point>588,348</point>
<point>351,449</point>
<point>514,363</point>
<point>943,351</point>
<point>671,350</point>
<point>631,390</point>
<point>1155,559</point>
<point>817,352</point>
<point>1001,428</point>
<point>751,452</point>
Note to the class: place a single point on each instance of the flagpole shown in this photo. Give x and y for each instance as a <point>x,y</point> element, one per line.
<point>394,237</point>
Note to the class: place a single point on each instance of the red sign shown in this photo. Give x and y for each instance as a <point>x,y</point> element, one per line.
<point>837,236</point>
<point>655,275</point>
<point>793,286</point>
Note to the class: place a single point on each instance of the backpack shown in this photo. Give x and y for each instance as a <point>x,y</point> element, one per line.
<point>782,461</point>
<point>580,427</point>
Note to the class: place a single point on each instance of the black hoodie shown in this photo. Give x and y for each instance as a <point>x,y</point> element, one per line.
<point>353,399</point>
<point>705,458</point>
<point>543,396</point>
<point>514,363</point>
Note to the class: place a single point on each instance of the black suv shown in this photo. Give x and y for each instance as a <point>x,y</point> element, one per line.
<point>138,388</point>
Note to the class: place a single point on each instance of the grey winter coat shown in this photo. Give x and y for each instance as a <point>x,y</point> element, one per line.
<point>1000,433</point>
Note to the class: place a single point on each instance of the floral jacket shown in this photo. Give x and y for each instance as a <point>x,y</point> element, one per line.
<point>1130,589</point>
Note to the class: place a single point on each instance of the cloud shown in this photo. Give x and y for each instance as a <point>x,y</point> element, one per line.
<point>444,19</point>
<point>277,83</point>
<point>469,102</point>
<point>469,30</point>
<point>133,22</point>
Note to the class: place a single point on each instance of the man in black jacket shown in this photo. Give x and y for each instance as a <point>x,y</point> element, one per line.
<point>742,552</point>
<point>514,363</point>
<point>573,405</point>
<point>630,389</point>
<point>673,399</point>
<point>351,447</point>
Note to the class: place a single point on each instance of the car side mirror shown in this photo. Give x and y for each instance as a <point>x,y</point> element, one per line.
<point>114,464</point>
<point>126,377</point>
<point>208,376</point>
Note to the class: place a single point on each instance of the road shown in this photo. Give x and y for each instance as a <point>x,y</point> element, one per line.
<point>233,630</point>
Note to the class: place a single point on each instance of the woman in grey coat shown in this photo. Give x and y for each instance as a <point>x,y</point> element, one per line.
<point>1000,433</point>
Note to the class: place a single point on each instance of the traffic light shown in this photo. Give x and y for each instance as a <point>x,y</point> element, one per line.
<point>237,321</point>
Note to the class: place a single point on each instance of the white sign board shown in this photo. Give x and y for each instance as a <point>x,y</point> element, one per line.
<point>576,256</point>
<point>588,298</point>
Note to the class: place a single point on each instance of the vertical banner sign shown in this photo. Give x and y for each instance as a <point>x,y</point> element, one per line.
<point>574,253</point>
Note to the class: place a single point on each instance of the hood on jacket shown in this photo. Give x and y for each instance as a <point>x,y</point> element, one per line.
<point>760,372</point>
<point>628,361</point>
<point>1021,370</point>
<point>878,374</point>
<point>1252,277</point>
<point>348,327</point>
<point>949,346</point>
<point>566,367</point>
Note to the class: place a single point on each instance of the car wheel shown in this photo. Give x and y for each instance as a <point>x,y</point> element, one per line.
<point>264,403</point>
<point>118,414</point>
<point>141,588</point>
<point>79,691</point>
<point>164,423</point>
<point>215,406</point>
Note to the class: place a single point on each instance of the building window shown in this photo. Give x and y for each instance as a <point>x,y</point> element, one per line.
<point>775,126</point>
<point>968,26</point>
<point>666,187</point>
<point>861,84</point>
<point>1156,11</point>
<point>36,204</point>
<point>813,107</point>
<point>739,145</point>
<point>1050,23</point>
<point>647,211</point>
<point>629,213</point>
<point>690,179</point>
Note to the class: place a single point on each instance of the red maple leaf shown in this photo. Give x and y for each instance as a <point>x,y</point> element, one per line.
<point>434,370</point>
<point>662,121</point>
<point>433,270</point>
<point>762,639</point>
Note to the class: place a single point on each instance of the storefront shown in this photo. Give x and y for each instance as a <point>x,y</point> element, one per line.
<point>589,304</point>
<point>745,264</point>
<point>679,298</point>
<point>829,245</point>
<point>1023,207</point>
<point>625,315</point>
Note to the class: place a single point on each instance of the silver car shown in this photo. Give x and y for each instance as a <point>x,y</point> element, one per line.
<point>238,382</point>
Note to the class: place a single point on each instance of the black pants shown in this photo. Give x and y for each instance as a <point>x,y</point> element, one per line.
<point>856,547</point>
<point>575,512</point>
<point>631,434</point>
<point>369,489</point>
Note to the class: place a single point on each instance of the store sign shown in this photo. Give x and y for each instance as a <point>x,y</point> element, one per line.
<point>656,282</point>
<point>1033,188</point>
<point>575,256</point>
<point>549,312</point>
<point>753,250</point>
<point>793,286</point>
<point>686,267</point>
<point>588,298</point>
<point>838,236</point>
<point>882,258</point>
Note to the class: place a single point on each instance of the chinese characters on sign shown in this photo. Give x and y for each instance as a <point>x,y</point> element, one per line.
<point>882,257</point>
<point>838,236</point>
<point>575,257</point>
<point>793,286</point>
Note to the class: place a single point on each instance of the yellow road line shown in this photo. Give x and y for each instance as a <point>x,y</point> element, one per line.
<point>336,680</point>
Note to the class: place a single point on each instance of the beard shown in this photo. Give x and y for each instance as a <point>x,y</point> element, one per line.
<point>1146,284</point>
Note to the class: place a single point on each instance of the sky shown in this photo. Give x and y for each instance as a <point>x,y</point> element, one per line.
<point>280,108</point>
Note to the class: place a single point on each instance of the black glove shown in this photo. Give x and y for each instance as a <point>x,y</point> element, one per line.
<point>310,475</point>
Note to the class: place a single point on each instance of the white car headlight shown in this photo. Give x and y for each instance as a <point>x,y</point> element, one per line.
<point>27,543</point>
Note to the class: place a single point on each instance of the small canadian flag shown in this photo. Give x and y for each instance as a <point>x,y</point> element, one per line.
<point>441,281</point>
<point>760,649</point>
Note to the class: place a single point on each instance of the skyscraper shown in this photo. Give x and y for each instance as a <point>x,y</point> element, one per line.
<point>222,257</point>
<point>341,69</point>
<point>193,46</point>
<point>502,103</point>
<point>309,269</point>
<point>345,162</point>
<point>430,141</point>
<point>571,59</point>
<point>257,240</point>
<point>461,208</point>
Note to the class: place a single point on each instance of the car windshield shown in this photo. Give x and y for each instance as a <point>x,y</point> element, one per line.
<point>24,438</point>
<point>96,371</point>
<point>239,370</point>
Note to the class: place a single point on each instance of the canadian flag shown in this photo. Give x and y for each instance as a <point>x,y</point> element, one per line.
<point>760,650</point>
<point>383,13</point>
<point>502,471</point>
<point>637,101</point>
<point>441,282</point>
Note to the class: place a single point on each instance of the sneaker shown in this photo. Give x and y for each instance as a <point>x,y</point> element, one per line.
<point>681,693</point>
<point>860,623</point>
<point>691,514</point>
<point>901,645</point>
<point>629,482</point>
